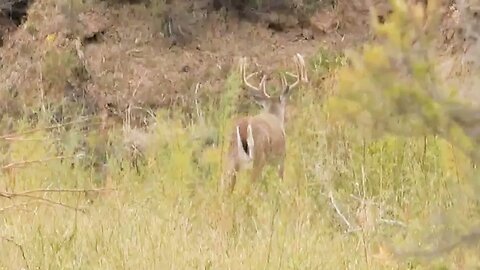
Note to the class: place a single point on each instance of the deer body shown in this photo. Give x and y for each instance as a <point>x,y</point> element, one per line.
<point>257,138</point>
<point>260,139</point>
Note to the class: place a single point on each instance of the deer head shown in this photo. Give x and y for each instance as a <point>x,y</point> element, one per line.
<point>274,104</point>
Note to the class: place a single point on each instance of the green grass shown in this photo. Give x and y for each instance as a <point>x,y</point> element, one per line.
<point>168,212</point>
<point>171,214</point>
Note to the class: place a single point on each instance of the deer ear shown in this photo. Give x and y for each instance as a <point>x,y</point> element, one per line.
<point>285,94</point>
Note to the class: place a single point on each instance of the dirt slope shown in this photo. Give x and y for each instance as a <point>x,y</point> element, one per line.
<point>126,57</point>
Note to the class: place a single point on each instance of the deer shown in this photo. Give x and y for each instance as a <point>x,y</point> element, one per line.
<point>260,140</point>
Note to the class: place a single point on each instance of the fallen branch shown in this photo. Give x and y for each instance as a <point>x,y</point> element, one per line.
<point>32,197</point>
<point>18,164</point>
<point>27,194</point>
<point>83,210</point>
<point>19,139</point>
<point>13,135</point>
<point>24,204</point>
<point>59,191</point>
<point>342,216</point>
<point>392,222</point>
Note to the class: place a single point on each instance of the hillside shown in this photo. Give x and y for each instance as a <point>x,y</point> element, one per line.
<point>136,61</point>
<point>115,117</point>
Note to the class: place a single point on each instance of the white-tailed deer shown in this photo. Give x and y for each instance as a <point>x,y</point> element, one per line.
<point>259,140</point>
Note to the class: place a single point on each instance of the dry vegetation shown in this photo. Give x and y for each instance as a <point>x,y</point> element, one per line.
<point>114,116</point>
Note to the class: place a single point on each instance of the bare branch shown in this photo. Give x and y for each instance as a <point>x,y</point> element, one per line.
<point>28,194</point>
<point>197,102</point>
<point>13,135</point>
<point>27,162</point>
<point>392,222</point>
<point>19,139</point>
<point>59,191</point>
<point>83,210</point>
<point>32,197</point>
<point>337,209</point>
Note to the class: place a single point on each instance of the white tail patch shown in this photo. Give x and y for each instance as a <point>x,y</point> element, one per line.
<point>250,142</point>
<point>245,155</point>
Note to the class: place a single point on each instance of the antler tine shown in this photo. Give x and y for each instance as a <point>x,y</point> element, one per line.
<point>251,75</point>
<point>303,69</point>
<point>297,76</point>
<point>240,64</point>
<point>264,86</point>
<point>300,76</point>
<point>245,78</point>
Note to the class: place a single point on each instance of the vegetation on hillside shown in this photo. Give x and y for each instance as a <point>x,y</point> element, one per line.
<point>394,186</point>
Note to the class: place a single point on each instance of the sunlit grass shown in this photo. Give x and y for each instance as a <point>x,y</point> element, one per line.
<point>168,212</point>
<point>171,214</point>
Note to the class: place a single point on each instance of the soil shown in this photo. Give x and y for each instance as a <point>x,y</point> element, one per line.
<point>131,55</point>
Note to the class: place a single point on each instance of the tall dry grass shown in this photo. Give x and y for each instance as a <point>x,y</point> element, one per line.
<point>348,201</point>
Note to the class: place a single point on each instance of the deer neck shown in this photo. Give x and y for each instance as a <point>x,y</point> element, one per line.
<point>279,113</point>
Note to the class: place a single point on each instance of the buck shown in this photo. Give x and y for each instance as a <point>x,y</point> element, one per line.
<point>259,140</point>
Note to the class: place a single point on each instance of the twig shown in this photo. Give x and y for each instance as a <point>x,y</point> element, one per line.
<point>380,219</point>
<point>334,204</point>
<point>13,206</point>
<point>20,247</point>
<point>134,52</point>
<point>27,162</point>
<point>26,194</point>
<point>197,102</point>
<point>392,222</point>
<point>12,135</point>
<point>52,202</point>
<point>272,229</point>
<point>55,191</point>
<point>28,140</point>
<point>354,230</point>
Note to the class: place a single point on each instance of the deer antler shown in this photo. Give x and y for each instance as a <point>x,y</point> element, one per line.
<point>262,85</point>
<point>300,76</point>
<point>303,70</point>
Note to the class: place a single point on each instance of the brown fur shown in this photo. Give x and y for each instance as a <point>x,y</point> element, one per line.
<point>262,136</point>
<point>269,139</point>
